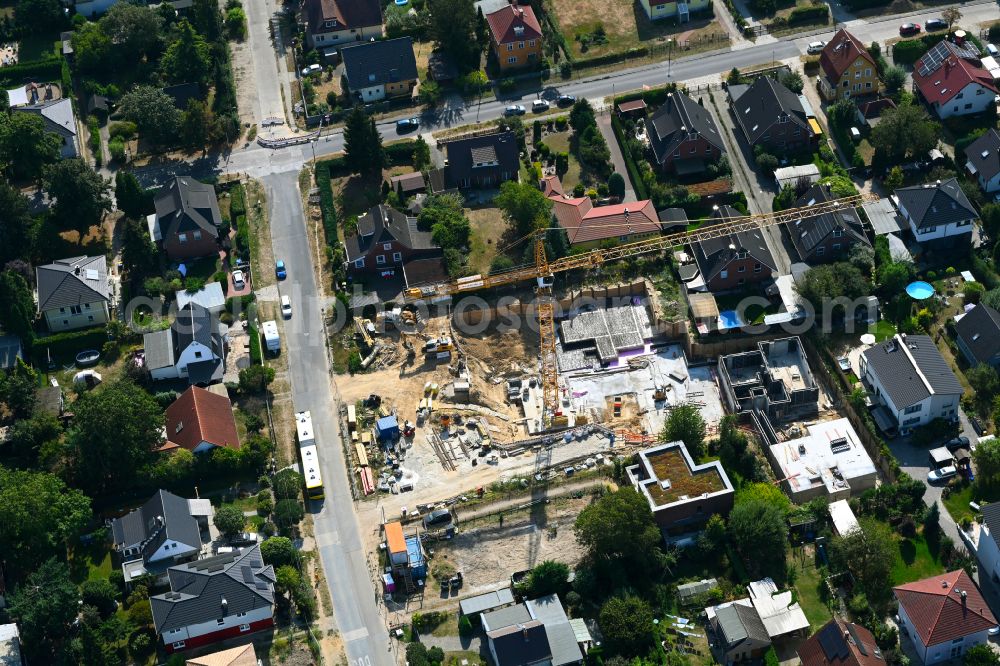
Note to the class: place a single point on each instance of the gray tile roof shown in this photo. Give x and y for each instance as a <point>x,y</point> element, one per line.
<point>377,63</point>
<point>714,254</point>
<point>936,204</point>
<point>461,156</point>
<point>809,232</point>
<point>57,114</point>
<point>158,347</point>
<point>486,602</point>
<point>164,516</point>
<point>979,331</point>
<point>762,104</point>
<point>72,281</point>
<point>383,224</point>
<point>896,363</point>
<point>739,623</point>
<point>505,617</point>
<point>520,645</point>
<point>677,119</point>
<point>197,589</point>
<point>984,154</point>
<point>562,639</point>
<point>184,204</point>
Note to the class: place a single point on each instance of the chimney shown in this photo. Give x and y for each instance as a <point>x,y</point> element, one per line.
<point>225,606</point>
<point>964,599</point>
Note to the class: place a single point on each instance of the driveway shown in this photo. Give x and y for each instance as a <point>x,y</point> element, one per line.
<point>617,159</point>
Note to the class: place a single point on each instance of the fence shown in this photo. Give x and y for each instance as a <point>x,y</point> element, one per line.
<point>290,141</point>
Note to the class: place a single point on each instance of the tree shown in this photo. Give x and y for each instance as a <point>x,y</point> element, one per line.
<point>972,292</point>
<point>894,78</point>
<point>196,124</point>
<point>134,30</point>
<point>116,431</point>
<point>17,389</point>
<point>16,225</point>
<point>44,605</point>
<point>17,306</point>
<point>187,59</point>
<point>100,594</point>
<point>153,113</point>
<point>830,281</point>
<point>38,515</point>
<point>205,16</point>
<point>524,206</point>
<point>902,132</point>
<point>279,551</point>
<point>951,15</point>
<point>581,116</point>
<point>627,625</point>
<point>556,241</point>
<point>444,217</point>
<point>39,16</point>
<point>685,424</point>
<point>287,579</point>
<point>990,217</point>
<point>894,276</point>
<point>80,193</point>
<point>760,535</point>
<point>25,146</point>
<point>984,380</point>
<point>92,48</point>
<point>869,554</point>
<point>549,577</point>
<point>593,151</point>
<point>421,154</point>
<point>842,113</point>
<point>27,436</point>
<point>288,513</point>
<point>784,199</point>
<point>734,451</point>
<point>256,378</point>
<point>893,179</point>
<point>980,655</point>
<point>363,144</point>
<point>236,23</point>
<point>619,526</point>
<point>791,80</point>
<point>139,255</point>
<point>986,457</point>
<point>452,29</point>
<point>287,484</point>
<point>767,162</point>
<point>230,520</point>
<point>130,196</point>
<point>430,92</point>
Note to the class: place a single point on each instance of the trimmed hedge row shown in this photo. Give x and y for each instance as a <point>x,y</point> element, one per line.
<point>327,205</point>
<point>908,51</point>
<point>653,97</point>
<point>48,69</point>
<point>633,169</point>
<point>68,344</point>
<point>813,14</point>
<point>237,201</point>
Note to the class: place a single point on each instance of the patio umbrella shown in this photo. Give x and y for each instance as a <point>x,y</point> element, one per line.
<point>868,339</point>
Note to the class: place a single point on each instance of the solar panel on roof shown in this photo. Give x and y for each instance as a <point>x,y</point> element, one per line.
<point>247,574</point>
<point>261,585</point>
<point>857,641</point>
<point>833,644</point>
<point>217,567</point>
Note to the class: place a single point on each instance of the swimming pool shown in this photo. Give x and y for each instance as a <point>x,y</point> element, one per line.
<point>920,290</point>
<point>730,319</point>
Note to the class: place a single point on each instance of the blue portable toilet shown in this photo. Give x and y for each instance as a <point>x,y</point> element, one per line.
<point>387,427</point>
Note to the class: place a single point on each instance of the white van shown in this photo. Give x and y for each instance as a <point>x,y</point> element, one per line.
<point>286,307</point>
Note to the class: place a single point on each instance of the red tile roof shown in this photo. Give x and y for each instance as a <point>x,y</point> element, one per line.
<point>941,83</point>
<point>937,610</point>
<point>840,643</point>
<point>841,53</point>
<point>201,416</point>
<point>347,14</point>
<point>504,24</point>
<point>584,223</point>
<point>552,185</point>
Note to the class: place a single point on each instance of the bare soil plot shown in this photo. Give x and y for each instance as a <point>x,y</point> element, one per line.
<point>488,226</point>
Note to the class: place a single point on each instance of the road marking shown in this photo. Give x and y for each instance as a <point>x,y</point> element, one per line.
<point>362,661</point>
<point>356,634</point>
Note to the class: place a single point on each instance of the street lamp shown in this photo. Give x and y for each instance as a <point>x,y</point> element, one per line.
<point>670,50</point>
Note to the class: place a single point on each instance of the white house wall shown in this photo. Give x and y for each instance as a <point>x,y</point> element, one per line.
<point>172,549</point>
<point>228,622</point>
<point>190,355</point>
<point>980,97</point>
<point>322,40</point>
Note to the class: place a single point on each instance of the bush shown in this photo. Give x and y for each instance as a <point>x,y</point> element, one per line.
<point>255,378</point>
<point>101,594</point>
<point>813,14</point>
<point>265,502</point>
<point>124,130</point>
<point>288,513</point>
<point>117,149</point>
<point>767,162</point>
<point>465,628</point>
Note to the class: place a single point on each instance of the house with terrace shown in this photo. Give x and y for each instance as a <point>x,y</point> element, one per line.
<point>656,10</point>
<point>827,237</point>
<point>200,420</point>
<point>480,161</point>
<point>515,36</point>
<point>192,349</point>
<point>977,335</point>
<point>388,244</point>
<point>683,135</point>
<point>589,226</point>
<point>187,219</point>
<point>939,214</point>
<point>374,71</point>
<point>731,262</point>
<point>535,632</point>
<point>59,119</point>
<point>74,293</point>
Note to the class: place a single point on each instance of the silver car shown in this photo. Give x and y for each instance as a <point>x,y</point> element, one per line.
<point>514,110</point>
<point>815,47</point>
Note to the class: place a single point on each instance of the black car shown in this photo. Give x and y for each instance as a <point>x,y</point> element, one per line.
<point>960,442</point>
<point>908,29</point>
<point>935,24</point>
<point>566,100</point>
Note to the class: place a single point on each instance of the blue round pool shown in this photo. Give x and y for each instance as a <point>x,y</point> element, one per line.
<point>400,3</point>
<point>920,290</point>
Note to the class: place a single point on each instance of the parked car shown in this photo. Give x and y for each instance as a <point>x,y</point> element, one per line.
<point>244,539</point>
<point>239,280</point>
<point>815,47</point>
<point>992,50</point>
<point>279,269</point>
<point>908,29</point>
<point>514,110</point>
<point>938,475</point>
<point>961,442</point>
<point>286,307</point>
<point>407,124</point>
<point>566,100</point>
<point>311,69</point>
<point>935,24</point>
<point>539,105</point>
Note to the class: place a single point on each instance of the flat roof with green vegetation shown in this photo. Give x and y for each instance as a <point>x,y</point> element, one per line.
<point>670,463</point>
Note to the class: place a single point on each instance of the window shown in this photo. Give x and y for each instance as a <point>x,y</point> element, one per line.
<point>847,83</point>
<point>913,409</point>
<point>741,281</point>
<point>531,56</point>
<point>959,95</point>
<point>90,317</point>
<point>221,620</point>
<point>359,263</point>
<point>531,43</point>
<point>510,47</point>
<point>380,259</point>
<point>65,322</point>
<point>868,85</point>
<point>386,246</point>
<point>197,354</point>
<point>397,256</point>
<point>182,238</point>
<point>660,7</point>
<point>74,309</point>
<point>677,153</point>
<point>868,71</point>
<point>741,269</point>
<point>912,421</point>
<point>837,233</point>
<point>757,268</point>
<point>820,251</point>
<point>520,45</point>
<point>243,614</point>
<point>511,60</point>
<point>857,74</point>
<point>980,91</point>
<point>724,274</point>
<point>968,106</point>
<point>244,627</point>
<point>178,645</point>
<point>929,230</point>
<point>86,306</point>
<point>62,310</point>
<point>197,234</point>
<point>836,247</point>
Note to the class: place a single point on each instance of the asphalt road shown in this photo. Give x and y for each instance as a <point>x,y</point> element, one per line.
<point>337,532</point>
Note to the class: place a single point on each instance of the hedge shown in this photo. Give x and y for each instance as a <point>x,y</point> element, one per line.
<point>652,97</point>
<point>633,169</point>
<point>49,69</point>
<point>813,14</point>
<point>326,203</point>
<point>610,58</point>
<point>255,353</point>
<point>68,344</point>
<point>908,51</point>
<point>237,202</point>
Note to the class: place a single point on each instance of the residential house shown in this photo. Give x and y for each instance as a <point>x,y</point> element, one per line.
<point>746,627</point>
<point>938,213</point>
<point>952,80</point>
<point>243,655</point>
<point>211,297</point>
<point>988,546</point>
<point>827,237</point>
<point>220,597</point>
<point>74,293</point>
<point>387,242</point>
<point>740,633</point>
<point>374,71</point>
<point>735,261</point>
<point>771,116</point>
<point>682,495</point>
<point>841,643</point>
<point>870,110</point>
<point>187,219</point>
<point>536,632</point>
<point>587,225</point>
<point>200,420</point>
<point>983,161</point>
<point>944,615</point>
<point>486,160</point>
<point>59,119</point>
<point>10,645</point>
<point>408,184</point>
<point>683,135</point>
<point>333,22</point>
<point>910,381</point>
<point>515,36</point>
<point>977,334</point>
<point>848,69</point>
<point>656,10</point>
<point>193,348</point>
<point>165,531</point>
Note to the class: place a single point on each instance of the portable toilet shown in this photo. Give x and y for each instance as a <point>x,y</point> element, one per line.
<point>387,428</point>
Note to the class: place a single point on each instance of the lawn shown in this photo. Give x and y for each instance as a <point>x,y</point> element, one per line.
<point>559,143</point>
<point>487,228</point>
<point>808,583</point>
<point>91,562</point>
<point>203,268</point>
<point>914,561</point>
<point>36,46</point>
<point>753,314</point>
<point>355,196</point>
<point>957,503</point>
<point>882,329</point>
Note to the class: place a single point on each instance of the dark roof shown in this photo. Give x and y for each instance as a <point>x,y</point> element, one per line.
<point>383,224</point>
<point>520,644</point>
<point>425,271</point>
<point>409,182</point>
<point>195,323</point>
<point>678,119</point>
<point>896,363</point>
<point>672,217</point>
<point>984,154</point>
<point>184,204</point>
<point>809,232</point>
<point>461,153</point>
<point>979,330</point>
<point>765,102</point>
<point>936,204</point>
<point>991,516</point>
<point>346,14</point>
<point>714,254</point>
<point>163,516</point>
<point>72,281</point>
<point>182,93</point>
<point>841,643</point>
<point>939,612</point>
<point>197,589</point>
<point>738,623</point>
<point>377,63</point>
